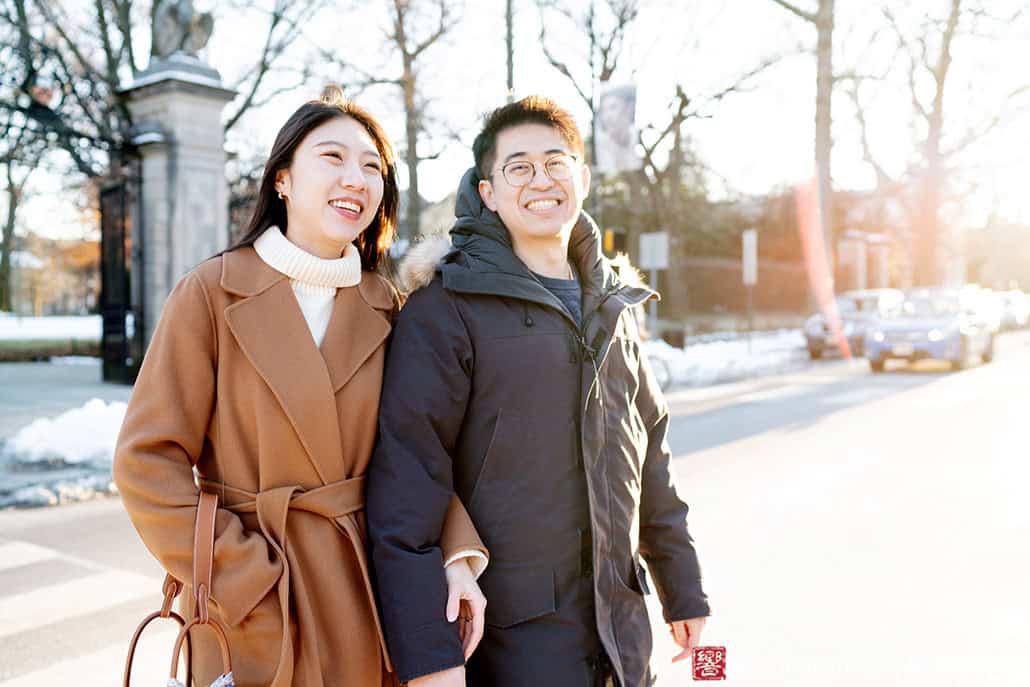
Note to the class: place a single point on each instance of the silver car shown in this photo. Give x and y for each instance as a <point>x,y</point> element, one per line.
<point>858,311</point>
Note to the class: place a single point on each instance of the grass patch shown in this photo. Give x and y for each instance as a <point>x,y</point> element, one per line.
<point>16,350</point>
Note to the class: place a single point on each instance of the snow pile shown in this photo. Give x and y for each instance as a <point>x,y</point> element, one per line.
<point>84,328</point>
<point>61,460</point>
<point>78,436</point>
<point>714,361</point>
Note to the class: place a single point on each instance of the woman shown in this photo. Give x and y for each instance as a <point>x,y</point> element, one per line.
<point>263,377</point>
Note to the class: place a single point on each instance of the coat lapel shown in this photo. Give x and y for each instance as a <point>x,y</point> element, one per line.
<point>357,329</point>
<point>270,329</point>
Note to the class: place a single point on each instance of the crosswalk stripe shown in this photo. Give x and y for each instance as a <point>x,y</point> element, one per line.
<point>15,554</point>
<point>81,596</point>
<point>104,668</point>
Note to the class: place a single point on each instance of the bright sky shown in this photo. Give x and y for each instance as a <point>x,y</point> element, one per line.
<point>754,142</point>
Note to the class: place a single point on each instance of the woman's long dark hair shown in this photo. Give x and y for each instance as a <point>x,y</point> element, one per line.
<point>374,243</point>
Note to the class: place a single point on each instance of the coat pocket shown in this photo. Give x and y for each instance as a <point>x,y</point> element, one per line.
<point>638,579</point>
<point>507,428</point>
<point>517,594</point>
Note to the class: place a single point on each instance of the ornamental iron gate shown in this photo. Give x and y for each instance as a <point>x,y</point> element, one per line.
<point>121,273</point>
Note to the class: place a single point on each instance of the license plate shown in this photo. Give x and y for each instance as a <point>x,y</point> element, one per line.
<point>903,349</point>
<point>831,341</point>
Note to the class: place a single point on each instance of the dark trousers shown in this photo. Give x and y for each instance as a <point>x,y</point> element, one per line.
<point>603,674</point>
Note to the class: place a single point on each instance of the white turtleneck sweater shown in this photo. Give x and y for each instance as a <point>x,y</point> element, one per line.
<point>314,281</point>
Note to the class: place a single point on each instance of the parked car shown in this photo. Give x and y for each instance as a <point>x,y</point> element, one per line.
<point>989,305</point>
<point>939,324</point>
<point>858,311</point>
<point>1016,314</point>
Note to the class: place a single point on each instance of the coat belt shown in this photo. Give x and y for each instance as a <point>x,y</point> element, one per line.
<point>337,502</point>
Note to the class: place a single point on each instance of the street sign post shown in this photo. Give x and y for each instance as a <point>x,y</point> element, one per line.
<point>749,269</point>
<point>654,256</point>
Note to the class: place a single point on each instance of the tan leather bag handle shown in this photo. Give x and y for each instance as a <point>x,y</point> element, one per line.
<point>184,635</point>
<point>204,552</point>
<point>203,564</point>
<point>172,587</point>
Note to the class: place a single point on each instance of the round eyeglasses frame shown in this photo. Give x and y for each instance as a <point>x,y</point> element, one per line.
<point>558,168</point>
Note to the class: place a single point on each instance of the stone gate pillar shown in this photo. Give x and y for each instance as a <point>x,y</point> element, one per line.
<point>177,105</point>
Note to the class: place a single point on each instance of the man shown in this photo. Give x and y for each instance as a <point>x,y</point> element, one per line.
<point>516,379</point>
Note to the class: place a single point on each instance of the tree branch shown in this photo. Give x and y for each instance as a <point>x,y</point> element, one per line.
<point>562,67</point>
<point>441,29</point>
<point>793,9</point>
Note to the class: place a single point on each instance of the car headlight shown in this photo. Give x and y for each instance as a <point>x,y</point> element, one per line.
<point>878,336</point>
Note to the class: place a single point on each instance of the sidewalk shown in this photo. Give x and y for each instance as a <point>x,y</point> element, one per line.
<point>29,391</point>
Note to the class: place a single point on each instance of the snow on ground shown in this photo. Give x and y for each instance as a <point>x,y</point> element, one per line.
<point>14,328</point>
<point>63,459</point>
<point>80,435</point>
<point>727,357</point>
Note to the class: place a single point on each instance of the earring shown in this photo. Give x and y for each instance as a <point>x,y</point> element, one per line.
<point>281,196</point>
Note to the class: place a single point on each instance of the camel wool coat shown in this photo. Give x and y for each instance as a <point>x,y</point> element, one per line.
<point>234,389</point>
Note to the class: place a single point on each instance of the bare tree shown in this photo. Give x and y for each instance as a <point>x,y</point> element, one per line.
<point>665,181</point>
<point>822,18</point>
<point>411,44</point>
<point>928,52</point>
<point>285,22</point>
<point>414,27</point>
<point>509,25</point>
<point>606,23</point>
<point>15,178</point>
<point>70,62</point>
<point>19,153</point>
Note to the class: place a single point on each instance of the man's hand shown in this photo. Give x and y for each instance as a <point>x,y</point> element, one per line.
<point>466,604</point>
<point>452,677</point>
<point>686,633</point>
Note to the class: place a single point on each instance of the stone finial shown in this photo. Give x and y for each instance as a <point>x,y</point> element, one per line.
<point>180,28</point>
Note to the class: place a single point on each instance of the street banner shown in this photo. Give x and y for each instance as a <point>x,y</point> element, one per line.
<point>616,130</point>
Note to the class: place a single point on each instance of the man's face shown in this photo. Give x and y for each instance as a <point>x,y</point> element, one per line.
<point>543,207</point>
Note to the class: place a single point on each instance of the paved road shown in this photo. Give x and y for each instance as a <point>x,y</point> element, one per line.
<point>860,529</point>
<point>855,529</point>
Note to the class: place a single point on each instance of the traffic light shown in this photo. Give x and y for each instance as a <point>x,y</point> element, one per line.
<point>613,241</point>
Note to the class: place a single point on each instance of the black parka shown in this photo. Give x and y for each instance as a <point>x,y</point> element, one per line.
<point>554,437</point>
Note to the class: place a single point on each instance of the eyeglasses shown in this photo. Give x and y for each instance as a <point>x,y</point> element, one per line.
<point>518,173</point>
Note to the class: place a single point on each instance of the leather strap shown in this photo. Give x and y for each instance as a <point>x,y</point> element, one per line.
<point>172,587</point>
<point>204,552</point>
<point>184,636</point>
<point>203,564</point>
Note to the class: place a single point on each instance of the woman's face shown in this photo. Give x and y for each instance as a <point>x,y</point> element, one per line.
<point>333,187</point>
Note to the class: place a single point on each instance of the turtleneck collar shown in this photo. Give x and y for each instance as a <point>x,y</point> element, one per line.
<point>281,254</point>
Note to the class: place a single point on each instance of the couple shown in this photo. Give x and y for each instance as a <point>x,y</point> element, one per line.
<point>510,430</point>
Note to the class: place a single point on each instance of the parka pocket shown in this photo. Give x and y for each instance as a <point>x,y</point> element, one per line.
<point>638,579</point>
<point>507,428</point>
<point>517,594</point>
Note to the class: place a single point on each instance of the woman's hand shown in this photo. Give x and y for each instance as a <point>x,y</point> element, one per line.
<point>466,604</point>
